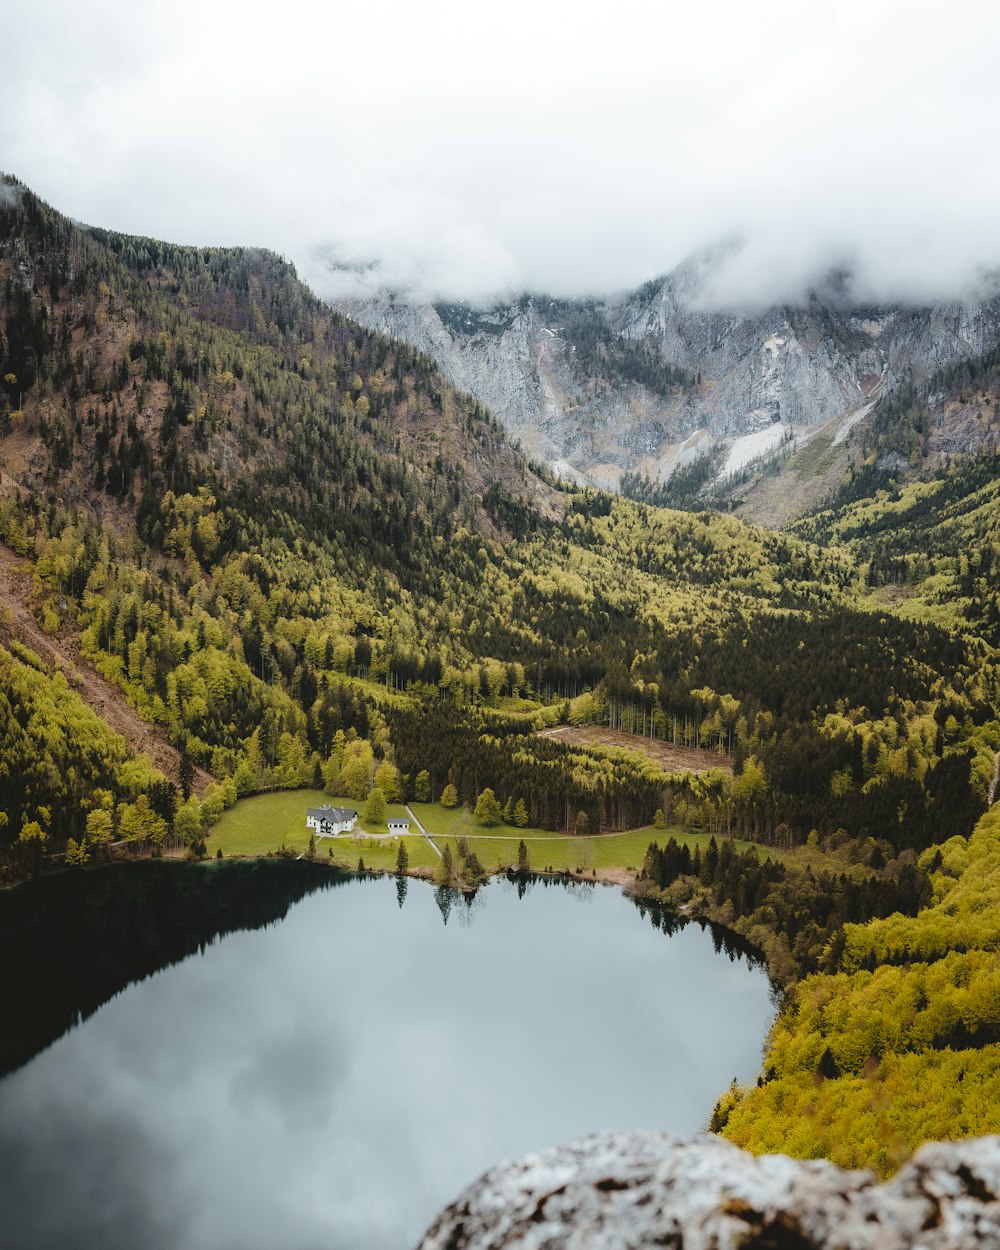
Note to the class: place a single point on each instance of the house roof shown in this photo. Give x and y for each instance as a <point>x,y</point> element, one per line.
<point>335,815</point>
<point>398,820</point>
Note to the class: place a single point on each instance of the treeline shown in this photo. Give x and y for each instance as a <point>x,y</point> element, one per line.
<point>899,1042</point>
<point>163,369</point>
<point>684,488</point>
<point>555,782</point>
<point>790,913</point>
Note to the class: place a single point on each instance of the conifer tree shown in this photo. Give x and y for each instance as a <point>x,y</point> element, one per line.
<point>488,809</point>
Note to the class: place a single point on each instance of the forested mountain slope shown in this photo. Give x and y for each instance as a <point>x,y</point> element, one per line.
<point>920,518</point>
<point>305,558</point>
<point>135,368</point>
<point>899,1043</point>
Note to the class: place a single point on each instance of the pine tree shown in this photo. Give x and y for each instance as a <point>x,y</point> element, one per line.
<point>186,773</point>
<point>520,814</point>
<point>446,869</point>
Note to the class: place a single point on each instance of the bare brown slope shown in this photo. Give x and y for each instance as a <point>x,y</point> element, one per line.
<point>62,651</point>
<point>666,754</point>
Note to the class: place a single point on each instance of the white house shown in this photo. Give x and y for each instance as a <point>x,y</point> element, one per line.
<point>398,825</point>
<point>329,821</point>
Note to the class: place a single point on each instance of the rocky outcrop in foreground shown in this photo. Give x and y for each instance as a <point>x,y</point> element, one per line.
<point>622,1191</point>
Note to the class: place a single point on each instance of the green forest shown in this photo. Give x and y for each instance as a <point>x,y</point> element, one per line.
<point>302,559</point>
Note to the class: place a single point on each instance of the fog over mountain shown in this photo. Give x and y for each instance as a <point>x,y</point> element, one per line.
<point>456,153</point>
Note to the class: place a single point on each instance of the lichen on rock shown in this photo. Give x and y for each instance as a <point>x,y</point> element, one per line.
<point>626,1191</point>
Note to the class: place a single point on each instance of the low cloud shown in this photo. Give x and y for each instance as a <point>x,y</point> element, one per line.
<point>10,194</point>
<point>447,151</point>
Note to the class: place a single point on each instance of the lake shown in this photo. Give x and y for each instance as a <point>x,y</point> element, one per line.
<point>333,1078</point>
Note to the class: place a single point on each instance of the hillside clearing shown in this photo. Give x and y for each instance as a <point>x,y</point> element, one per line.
<point>671,758</point>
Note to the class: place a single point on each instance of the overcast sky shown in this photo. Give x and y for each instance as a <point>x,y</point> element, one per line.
<point>564,146</point>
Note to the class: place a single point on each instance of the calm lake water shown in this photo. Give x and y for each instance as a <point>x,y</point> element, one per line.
<point>333,1079</point>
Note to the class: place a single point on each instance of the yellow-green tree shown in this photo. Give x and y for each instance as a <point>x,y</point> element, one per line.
<point>375,807</point>
<point>488,811</point>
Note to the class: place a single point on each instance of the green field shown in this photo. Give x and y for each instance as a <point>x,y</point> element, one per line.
<point>266,822</point>
<point>558,851</point>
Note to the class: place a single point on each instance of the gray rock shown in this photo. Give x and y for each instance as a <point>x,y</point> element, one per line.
<point>623,1191</point>
<point>818,364</point>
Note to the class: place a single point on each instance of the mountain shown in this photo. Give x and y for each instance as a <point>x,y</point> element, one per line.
<point>657,379</point>
<point>269,528</point>
<point>134,366</point>
<point>242,533</point>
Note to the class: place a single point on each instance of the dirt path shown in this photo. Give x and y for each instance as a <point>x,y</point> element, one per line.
<point>995,783</point>
<point>413,816</point>
<point>63,652</point>
<point>670,757</point>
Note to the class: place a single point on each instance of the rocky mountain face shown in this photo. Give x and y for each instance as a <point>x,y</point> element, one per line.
<point>650,380</point>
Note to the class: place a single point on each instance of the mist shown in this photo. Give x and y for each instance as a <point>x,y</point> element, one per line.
<point>443,151</point>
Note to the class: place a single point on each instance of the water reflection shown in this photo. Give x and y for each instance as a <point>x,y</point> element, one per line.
<point>334,1079</point>
<point>77,939</point>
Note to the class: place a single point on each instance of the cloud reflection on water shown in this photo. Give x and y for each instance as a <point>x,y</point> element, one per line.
<point>333,1080</point>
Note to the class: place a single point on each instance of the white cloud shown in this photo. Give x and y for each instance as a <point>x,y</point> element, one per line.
<point>568,147</point>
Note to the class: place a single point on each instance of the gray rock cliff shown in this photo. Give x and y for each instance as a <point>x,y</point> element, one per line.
<point>626,1191</point>
<point>576,381</point>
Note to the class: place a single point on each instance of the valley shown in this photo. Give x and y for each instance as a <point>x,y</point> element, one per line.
<point>258,555</point>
